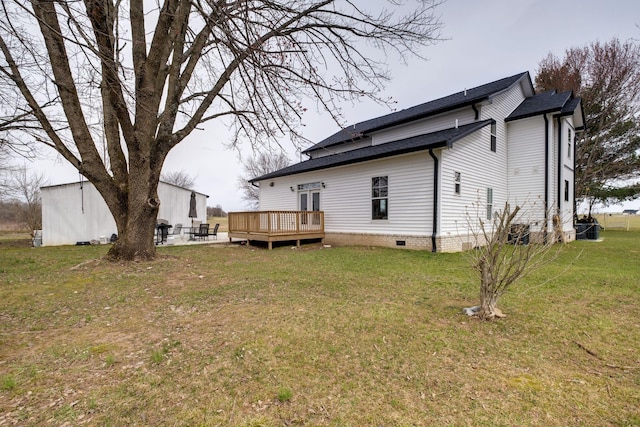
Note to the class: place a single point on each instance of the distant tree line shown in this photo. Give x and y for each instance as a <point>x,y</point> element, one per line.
<point>20,200</point>
<point>216,211</point>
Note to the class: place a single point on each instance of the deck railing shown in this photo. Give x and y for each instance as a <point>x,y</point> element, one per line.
<point>277,223</point>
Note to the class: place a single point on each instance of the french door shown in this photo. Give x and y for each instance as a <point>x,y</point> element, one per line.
<point>309,200</point>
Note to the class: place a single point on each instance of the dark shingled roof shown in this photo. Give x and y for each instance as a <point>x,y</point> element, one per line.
<point>543,103</point>
<point>451,102</point>
<point>442,138</point>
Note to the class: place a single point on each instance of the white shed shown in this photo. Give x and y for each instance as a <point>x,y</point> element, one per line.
<point>76,212</point>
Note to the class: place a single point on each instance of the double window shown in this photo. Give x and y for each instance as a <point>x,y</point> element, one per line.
<point>380,197</point>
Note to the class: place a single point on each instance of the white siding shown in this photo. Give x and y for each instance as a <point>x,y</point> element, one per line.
<point>480,169</point>
<point>77,212</point>
<point>174,205</point>
<point>279,196</point>
<point>428,125</point>
<point>527,164</point>
<point>73,213</point>
<point>567,173</point>
<point>502,105</point>
<point>346,198</point>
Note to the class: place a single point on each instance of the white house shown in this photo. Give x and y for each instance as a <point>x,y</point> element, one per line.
<point>76,212</point>
<point>412,178</point>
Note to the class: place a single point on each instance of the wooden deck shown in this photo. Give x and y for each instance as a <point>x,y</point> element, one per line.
<point>276,226</point>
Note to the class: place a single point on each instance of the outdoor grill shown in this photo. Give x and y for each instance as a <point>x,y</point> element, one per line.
<point>162,230</point>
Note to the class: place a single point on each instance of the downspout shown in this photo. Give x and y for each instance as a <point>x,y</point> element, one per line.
<point>573,202</point>
<point>546,176</point>
<point>434,227</point>
<point>559,164</point>
<point>476,111</point>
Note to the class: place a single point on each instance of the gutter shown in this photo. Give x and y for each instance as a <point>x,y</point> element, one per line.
<point>434,226</point>
<point>476,111</point>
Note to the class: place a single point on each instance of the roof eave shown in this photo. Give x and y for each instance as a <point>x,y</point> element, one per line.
<point>438,144</point>
<point>349,162</point>
<point>405,121</point>
<point>533,114</point>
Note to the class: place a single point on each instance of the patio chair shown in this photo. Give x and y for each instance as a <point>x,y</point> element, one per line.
<point>214,233</point>
<point>203,232</point>
<point>177,231</point>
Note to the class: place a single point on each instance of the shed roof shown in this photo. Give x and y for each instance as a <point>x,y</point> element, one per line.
<point>457,100</point>
<point>76,183</point>
<point>442,138</point>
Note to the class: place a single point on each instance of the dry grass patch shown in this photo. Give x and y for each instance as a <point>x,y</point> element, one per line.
<point>230,335</point>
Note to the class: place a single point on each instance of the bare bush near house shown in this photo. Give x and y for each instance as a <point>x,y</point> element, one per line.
<point>261,164</point>
<point>505,252</point>
<point>179,178</point>
<point>114,86</point>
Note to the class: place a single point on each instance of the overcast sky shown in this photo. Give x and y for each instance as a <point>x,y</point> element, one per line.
<point>487,40</point>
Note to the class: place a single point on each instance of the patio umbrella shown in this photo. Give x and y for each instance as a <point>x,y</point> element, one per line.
<point>193,213</point>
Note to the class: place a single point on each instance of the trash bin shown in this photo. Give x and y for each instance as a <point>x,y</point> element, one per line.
<point>37,239</point>
<point>581,230</point>
<point>519,234</point>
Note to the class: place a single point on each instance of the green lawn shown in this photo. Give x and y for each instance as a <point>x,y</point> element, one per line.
<point>237,336</point>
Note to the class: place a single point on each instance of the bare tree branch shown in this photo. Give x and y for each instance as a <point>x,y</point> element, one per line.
<point>113,86</point>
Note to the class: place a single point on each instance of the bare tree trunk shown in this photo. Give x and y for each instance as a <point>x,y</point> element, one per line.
<point>488,309</point>
<point>136,239</point>
<point>136,216</point>
<point>502,257</point>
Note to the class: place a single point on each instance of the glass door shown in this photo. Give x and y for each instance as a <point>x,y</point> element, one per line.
<point>309,201</point>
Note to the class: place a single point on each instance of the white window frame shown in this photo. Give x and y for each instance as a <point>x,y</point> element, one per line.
<point>494,137</point>
<point>489,203</point>
<point>457,183</point>
<point>380,197</point>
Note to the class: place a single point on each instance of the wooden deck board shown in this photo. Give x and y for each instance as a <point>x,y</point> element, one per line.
<point>276,226</point>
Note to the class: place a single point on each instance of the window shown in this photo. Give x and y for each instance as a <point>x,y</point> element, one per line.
<point>457,177</point>
<point>493,137</point>
<point>566,190</point>
<point>569,142</point>
<point>309,186</point>
<point>489,203</point>
<point>379,198</point>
